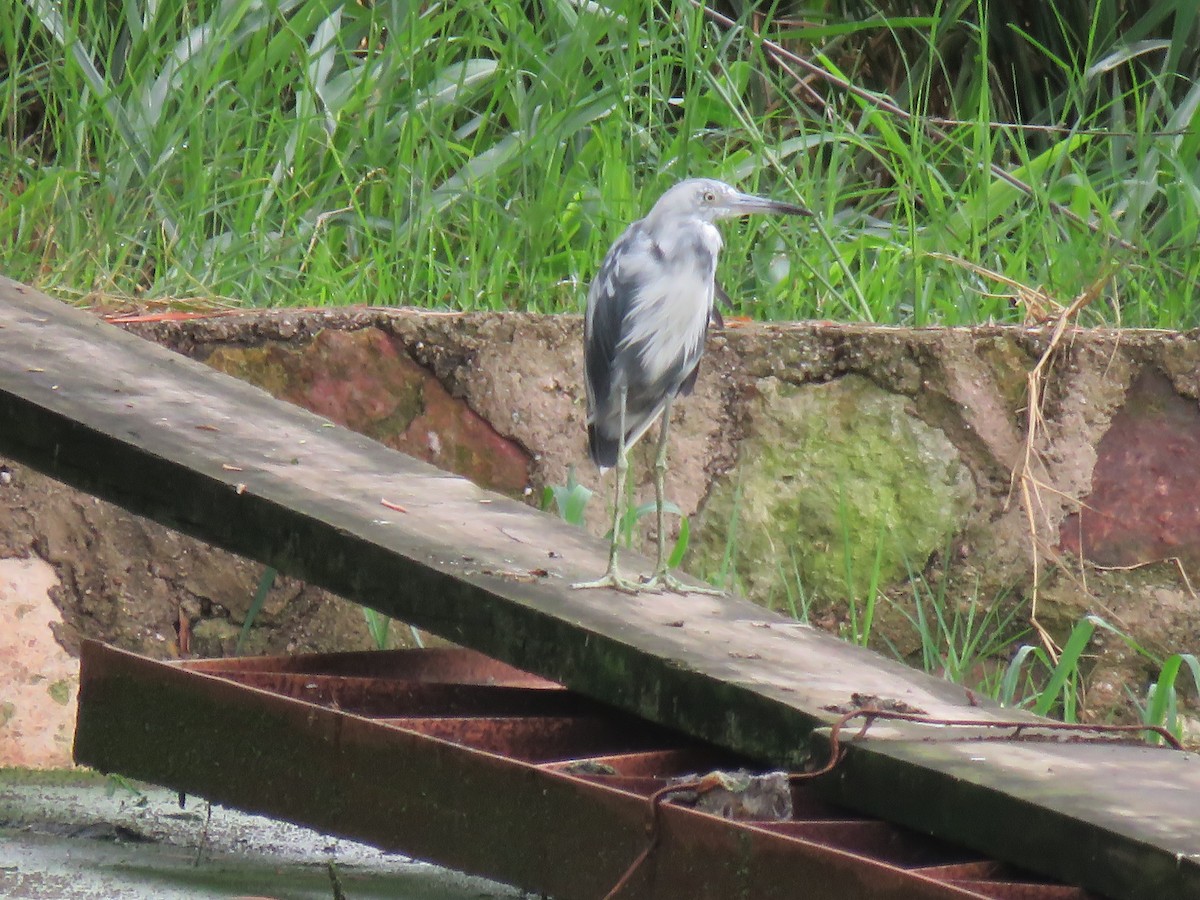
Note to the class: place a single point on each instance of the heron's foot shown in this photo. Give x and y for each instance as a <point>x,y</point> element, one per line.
<point>662,578</point>
<point>615,580</point>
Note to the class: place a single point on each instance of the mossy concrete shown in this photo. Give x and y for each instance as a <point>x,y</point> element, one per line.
<point>836,485</point>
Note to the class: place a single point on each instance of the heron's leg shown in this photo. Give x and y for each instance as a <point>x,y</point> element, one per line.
<point>662,574</point>
<point>613,578</point>
<point>660,478</point>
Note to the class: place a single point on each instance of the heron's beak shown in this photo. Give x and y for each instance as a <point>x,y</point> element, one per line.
<point>745,204</point>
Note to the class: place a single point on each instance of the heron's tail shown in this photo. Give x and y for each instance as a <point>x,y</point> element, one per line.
<point>602,448</point>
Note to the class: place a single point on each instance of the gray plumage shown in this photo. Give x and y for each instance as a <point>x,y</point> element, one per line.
<point>649,309</point>
<point>648,314</point>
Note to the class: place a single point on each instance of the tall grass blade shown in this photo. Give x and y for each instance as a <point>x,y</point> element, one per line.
<point>265,582</point>
<point>1056,688</point>
<point>1007,694</point>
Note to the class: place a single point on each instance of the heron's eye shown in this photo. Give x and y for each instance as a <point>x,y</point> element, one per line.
<point>710,197</point>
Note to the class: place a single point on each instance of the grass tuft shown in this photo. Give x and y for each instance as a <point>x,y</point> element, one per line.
<point>322,152</point>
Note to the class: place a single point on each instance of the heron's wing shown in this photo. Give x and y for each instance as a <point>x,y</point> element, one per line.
<point>607,307</point>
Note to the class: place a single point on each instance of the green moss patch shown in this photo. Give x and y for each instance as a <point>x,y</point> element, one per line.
<point>833,481</point>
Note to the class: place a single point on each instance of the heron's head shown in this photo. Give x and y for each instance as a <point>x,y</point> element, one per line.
<point>709,200</point>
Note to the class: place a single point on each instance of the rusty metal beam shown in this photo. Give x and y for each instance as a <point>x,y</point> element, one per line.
<point>443,794</point>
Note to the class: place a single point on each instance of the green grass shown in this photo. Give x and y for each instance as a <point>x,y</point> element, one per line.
<point>965,639</point>
<point>980,644</point>
<point>265,582</point>
<point>1034,680</point>
<point>378,626</point>
<point>483,156</point>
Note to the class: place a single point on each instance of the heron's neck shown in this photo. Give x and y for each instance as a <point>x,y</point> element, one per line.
<point>680,237</point>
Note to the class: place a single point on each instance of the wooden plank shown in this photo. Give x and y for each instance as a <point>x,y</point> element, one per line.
<point>168,438</point>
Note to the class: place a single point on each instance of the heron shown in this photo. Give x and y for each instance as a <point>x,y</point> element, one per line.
<point>648,314</point>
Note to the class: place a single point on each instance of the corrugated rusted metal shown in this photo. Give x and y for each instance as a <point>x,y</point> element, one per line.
<point>451,757</point>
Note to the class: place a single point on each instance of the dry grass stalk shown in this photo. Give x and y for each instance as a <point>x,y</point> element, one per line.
<point>1030,478</point>
<point>1026,473</point>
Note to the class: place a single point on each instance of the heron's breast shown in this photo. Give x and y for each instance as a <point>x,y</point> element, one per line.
<point>667,321</point>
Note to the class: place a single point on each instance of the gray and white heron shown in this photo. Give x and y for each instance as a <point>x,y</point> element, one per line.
<point>648,312</point>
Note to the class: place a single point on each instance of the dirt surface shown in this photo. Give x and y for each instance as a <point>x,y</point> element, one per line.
<point>80,836</point>
<point>131,581</point>
<point>487,387</point>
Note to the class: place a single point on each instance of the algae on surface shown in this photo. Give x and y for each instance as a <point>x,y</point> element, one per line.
<point>833,481</point>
